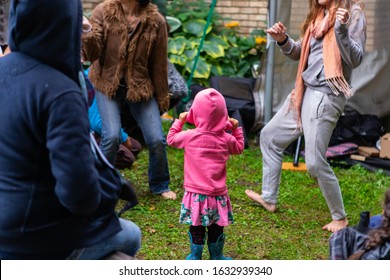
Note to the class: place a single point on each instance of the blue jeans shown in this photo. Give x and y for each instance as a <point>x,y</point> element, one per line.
<point>96,122</point>
<point>147,116</point>
<point>127,241</point>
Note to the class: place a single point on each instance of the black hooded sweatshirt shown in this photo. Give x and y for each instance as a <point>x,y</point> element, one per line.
<point>52,199</point>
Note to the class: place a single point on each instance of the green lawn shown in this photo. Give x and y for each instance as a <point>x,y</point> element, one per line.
<point>293,233</point>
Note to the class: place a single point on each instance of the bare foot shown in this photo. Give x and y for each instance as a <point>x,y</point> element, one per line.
<point>257,198</point>
<point>169,195</point>
<point>335,225</point>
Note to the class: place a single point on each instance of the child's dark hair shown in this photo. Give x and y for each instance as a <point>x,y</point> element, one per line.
<point>379,236</point>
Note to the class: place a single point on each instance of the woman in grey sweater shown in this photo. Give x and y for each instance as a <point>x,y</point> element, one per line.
<point>332,44</point>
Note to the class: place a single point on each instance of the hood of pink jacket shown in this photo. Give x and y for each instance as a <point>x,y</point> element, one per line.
<point>208,111</point>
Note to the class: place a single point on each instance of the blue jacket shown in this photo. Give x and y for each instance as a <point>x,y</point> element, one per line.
<point>52,199</point>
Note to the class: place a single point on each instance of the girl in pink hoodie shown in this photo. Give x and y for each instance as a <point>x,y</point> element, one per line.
<point>206,203</point>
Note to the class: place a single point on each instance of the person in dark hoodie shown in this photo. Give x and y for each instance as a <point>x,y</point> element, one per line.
<point>53,202</point>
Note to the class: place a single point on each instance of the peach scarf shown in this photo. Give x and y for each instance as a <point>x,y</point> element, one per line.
<point>320,28</point>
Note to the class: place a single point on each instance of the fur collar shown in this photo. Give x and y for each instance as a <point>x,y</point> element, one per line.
<point>113,11</point>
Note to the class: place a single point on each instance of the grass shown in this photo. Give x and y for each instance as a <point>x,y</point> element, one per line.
<point>293,233</point>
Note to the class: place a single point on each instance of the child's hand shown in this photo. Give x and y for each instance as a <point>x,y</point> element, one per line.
<point>183,117</point>
<point>234,123</point>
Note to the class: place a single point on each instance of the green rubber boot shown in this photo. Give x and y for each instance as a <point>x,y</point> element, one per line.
<point>215,249</point>
<point>196,250</point>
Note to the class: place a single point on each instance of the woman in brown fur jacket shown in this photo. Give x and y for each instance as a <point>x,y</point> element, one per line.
<point>126,41</point>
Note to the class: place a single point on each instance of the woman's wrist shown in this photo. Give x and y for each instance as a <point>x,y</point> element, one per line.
<point>283,42</point>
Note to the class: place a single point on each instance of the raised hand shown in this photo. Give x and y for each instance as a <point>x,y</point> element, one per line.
<point>234,123</point>
<point>183,117</point>
<point>342,15</point>
<point>278,32</point>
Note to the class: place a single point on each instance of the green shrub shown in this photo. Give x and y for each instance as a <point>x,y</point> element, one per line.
<point>224,51</point>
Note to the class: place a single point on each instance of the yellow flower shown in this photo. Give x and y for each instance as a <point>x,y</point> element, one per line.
<point>232,24</point>
<point>260,40</point>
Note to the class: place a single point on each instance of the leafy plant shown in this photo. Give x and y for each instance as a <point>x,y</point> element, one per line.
<point>224,51</point>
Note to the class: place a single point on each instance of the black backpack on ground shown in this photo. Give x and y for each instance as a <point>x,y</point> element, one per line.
<point>353,127</point>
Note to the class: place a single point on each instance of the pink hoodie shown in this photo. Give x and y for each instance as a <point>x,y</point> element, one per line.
<point>208,146</point>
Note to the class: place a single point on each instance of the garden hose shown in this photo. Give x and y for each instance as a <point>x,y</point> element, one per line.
<point>211,11</point>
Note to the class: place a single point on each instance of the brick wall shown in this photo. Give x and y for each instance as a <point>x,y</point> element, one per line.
<point>298,14</point>
<point>377,15</point>
<point>378,24</point>
<point>88,5</point>
<point>252,14</point>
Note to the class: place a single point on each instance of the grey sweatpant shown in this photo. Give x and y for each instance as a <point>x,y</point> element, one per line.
<point>320,112</point>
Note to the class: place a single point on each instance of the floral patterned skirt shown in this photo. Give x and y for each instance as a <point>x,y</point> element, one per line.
<point>203,210</point>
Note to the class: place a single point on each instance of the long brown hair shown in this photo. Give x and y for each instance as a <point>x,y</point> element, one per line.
<point>378,236</point>
<point>314,8</point>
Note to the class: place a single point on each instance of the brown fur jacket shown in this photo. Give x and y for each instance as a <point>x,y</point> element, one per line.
<point>140,57</point>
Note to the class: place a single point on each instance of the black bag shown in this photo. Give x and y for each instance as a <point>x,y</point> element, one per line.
<point>177,87</point>
<point>363,130</point>
<point>238,94</point>
<point>363,225</point>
